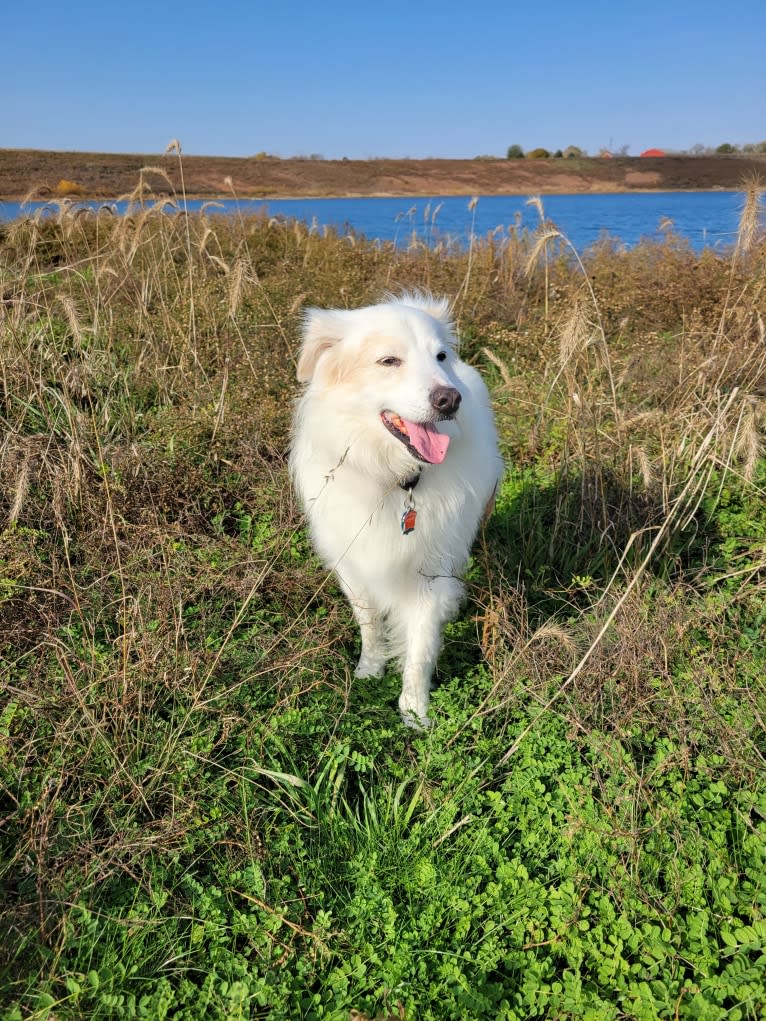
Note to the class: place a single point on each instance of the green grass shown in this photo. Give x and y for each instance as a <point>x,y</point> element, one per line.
<point>203,817</point>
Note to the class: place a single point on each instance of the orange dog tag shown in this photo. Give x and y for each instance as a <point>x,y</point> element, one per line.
<point>408,520</point>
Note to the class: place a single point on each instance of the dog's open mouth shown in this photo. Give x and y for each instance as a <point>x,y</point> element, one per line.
<point>422,439</point>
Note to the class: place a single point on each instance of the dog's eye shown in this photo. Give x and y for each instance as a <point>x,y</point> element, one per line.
<point>390,362</point>
<point>441,356</point>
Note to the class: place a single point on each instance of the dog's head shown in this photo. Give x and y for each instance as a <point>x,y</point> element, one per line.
<point>389,366</point>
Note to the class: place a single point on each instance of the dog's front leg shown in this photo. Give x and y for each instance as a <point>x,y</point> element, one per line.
<point>423,630</point>
<point>423,647</point>
<point>372,661</point>
<point>414,699</point>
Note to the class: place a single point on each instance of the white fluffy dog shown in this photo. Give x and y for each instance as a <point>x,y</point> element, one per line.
<point>394,457</point>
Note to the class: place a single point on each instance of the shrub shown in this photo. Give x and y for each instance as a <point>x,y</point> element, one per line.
<point>538,154</point>
<point>67,188</point>
<point>515,152</point>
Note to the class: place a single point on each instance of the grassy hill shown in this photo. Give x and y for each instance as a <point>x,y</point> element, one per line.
<point>109,175</point>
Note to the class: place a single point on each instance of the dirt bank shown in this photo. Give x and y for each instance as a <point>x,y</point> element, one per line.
<point>109,175</point>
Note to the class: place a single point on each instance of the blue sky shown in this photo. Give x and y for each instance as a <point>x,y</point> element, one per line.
<point>358,79</point>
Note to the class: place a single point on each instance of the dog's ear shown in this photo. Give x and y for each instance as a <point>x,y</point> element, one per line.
<point>322,330</point>
<point>425,301</point>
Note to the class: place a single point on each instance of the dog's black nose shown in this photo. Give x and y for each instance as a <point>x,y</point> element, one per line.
<point>445,399</point>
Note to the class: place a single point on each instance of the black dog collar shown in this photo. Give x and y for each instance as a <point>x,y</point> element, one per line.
<point>411,482</point>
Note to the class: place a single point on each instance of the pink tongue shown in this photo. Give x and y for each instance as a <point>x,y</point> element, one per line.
<point>430,444</point>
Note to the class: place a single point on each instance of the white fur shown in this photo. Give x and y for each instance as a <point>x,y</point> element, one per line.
<point>346,467</point>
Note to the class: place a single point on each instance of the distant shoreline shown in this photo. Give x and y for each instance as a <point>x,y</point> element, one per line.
<point>415,197</point>
<point>41,174</point>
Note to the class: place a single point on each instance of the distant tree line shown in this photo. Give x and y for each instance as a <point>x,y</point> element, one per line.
<point>516,152</point>
<point>726,149</point>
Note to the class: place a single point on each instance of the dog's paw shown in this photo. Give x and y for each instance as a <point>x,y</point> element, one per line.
<point>415,716</point>
<point>416,722</point>
<point>368,666</point>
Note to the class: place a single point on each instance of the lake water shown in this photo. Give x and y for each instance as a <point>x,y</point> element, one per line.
<point>704,219</point>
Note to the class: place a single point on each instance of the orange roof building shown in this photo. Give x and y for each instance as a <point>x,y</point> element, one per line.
<point>653,152</point>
